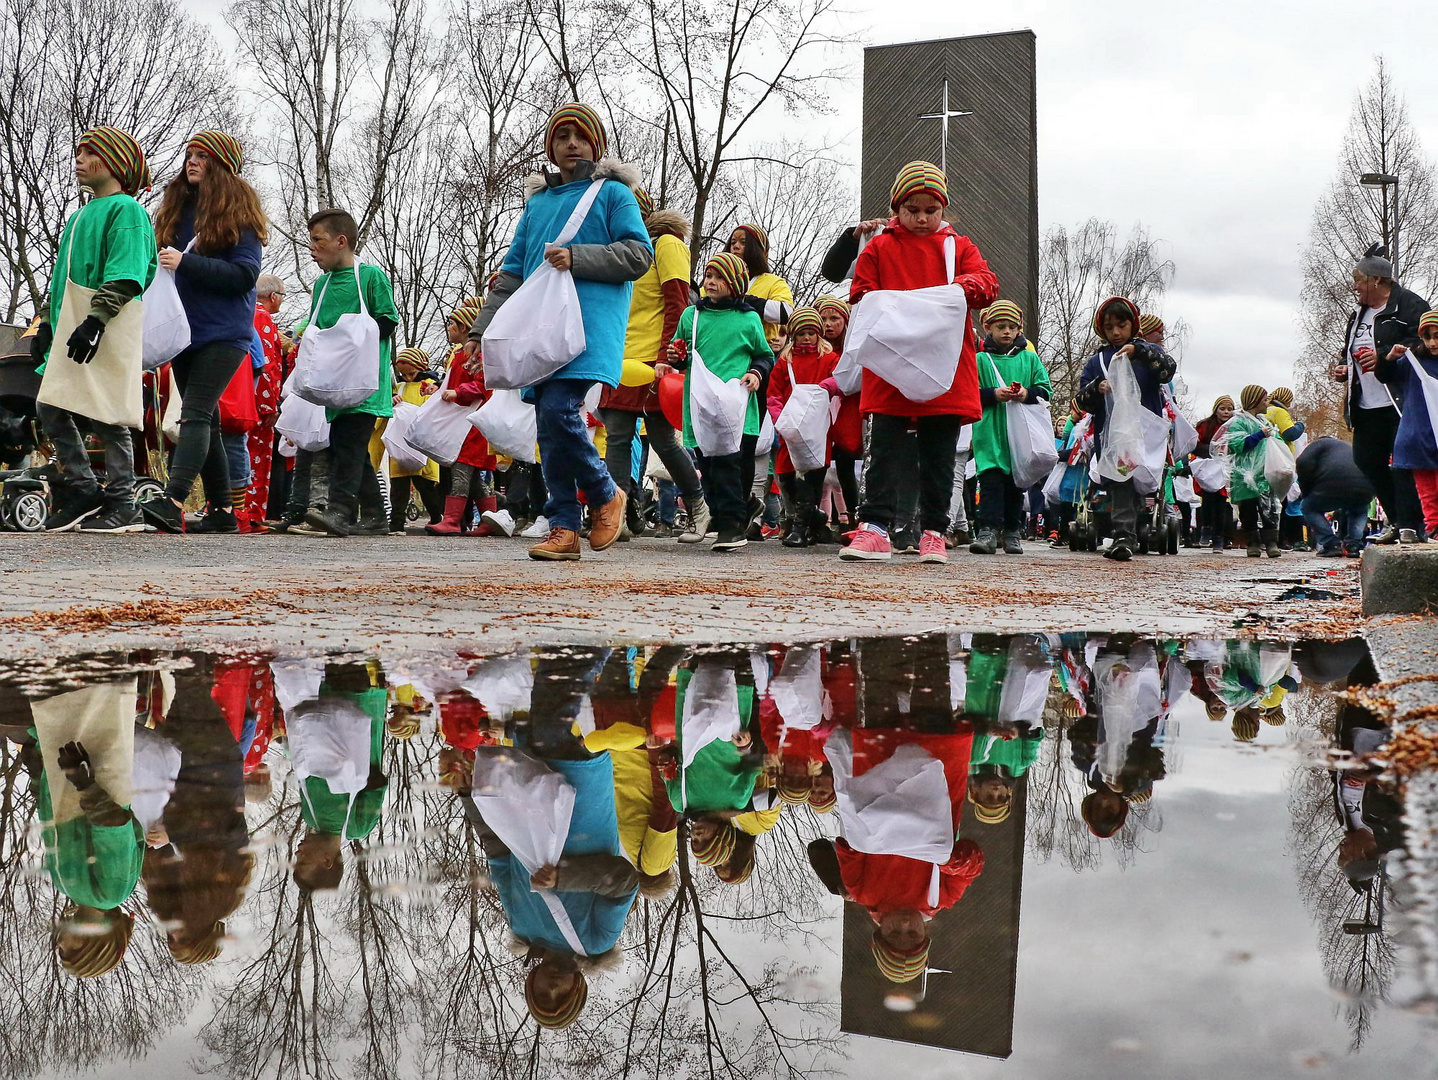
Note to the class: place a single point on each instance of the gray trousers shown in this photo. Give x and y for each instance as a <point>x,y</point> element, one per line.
<point>69,444</point>
<point>619,427</point>
<point>958,508</point>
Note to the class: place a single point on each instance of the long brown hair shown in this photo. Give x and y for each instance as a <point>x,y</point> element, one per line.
<point>227,206</point>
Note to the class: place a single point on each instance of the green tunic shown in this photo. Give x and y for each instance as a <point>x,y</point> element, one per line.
<point>340,298</point>
<point>985,686</point>
<point>114,241</point>
<point>717,779</point>
<point>991,431</point>
<point>1013,755</point>
<point>94,865</point>
<point>330,812</point>
<point>732,340</point>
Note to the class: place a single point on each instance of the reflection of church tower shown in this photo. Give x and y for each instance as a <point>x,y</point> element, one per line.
<point>969,105</point>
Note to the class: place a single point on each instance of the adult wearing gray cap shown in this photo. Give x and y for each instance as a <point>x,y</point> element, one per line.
<point>1387,315</point>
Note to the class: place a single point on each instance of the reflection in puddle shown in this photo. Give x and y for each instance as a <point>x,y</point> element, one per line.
<point>732,861</point>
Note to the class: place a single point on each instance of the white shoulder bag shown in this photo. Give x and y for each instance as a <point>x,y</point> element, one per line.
<point>338,367</point>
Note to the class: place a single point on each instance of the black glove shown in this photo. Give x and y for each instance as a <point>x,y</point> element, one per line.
<point>84,343</point>
<point>40,343</point>
<point>75,763</point>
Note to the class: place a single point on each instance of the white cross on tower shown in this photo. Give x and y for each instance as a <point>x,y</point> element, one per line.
<point>943,116</point>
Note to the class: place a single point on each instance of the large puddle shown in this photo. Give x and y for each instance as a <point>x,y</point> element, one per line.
<point>942,855</point>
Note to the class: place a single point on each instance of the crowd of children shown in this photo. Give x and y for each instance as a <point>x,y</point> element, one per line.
<point>883,421</point>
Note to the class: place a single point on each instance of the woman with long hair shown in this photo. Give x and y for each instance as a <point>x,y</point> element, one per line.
<point>210,229</point>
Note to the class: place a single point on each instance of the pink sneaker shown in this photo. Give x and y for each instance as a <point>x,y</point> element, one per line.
<point>869,545</point>
<point>932,547</point>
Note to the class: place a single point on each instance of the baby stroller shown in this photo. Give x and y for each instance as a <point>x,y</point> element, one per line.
<point>1160,526</point>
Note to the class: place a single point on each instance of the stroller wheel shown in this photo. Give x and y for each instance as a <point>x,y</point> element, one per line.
<point>1173,537</point>
<point>28,511</point>
<point>146,489</point>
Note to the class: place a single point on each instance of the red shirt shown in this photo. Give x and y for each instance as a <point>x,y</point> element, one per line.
<point>897,259</point>
<point>469,388</point>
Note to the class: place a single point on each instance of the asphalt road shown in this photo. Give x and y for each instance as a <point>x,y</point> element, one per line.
<point>70,593</point>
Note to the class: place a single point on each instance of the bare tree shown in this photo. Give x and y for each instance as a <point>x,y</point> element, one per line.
<point>1078,268</point>
<point>1348,218</point>
<point>66,66</point>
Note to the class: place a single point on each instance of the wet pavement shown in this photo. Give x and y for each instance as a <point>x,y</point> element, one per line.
<point>942,854</point>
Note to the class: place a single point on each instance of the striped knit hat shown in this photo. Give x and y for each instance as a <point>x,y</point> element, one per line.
<point>1281,396</point>
<point>730,874</point>
<point>989,815</point>
<point>1430,318</point>
<point>1148,323</point>
<point>582,117</point>
<point>805,318</point>
<point>97,953</point>
<point>732,270</point>
<point>223,148</point>
<point>900,967</point>
<point>1252,396</point>
<point>755,233</point>
<point>1003,309</point>
<point>718,849</point>
<point>646,202</point>
<point>919,176</point>
<point>122,156</point>
<point>833,303</point>
<point>412,356</point>
<point>794,790</point>
<point>467,311</point>
<point>1245,726</point>
<point>823,801</point>
<point>1125,301</point>
<point>1222,400</point>
<point>563,1014</point>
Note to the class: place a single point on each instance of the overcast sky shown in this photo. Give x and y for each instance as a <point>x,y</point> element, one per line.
<point>1218,130</point>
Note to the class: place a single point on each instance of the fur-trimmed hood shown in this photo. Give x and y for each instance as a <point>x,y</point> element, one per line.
<point>605,168</point>
<point>668,223</point>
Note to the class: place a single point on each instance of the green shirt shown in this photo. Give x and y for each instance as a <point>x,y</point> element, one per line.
<point>336,296</point>
<point>991,432</point>
<point>988,664</point>
<point>113,241</point>
<point>732,340</point>
<point>94,865</point>
<point>718,778</point>
<point>1013,755</point>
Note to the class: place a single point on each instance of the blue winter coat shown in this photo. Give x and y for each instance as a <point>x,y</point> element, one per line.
<point>1414,447</point>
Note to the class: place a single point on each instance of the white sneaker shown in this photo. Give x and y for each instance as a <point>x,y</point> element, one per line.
<point>502,520</point>
<point>699,517</point>
<point>539,530</point>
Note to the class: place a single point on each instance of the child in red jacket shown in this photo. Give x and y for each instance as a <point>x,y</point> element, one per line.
<point>470,477</point>
<point>847,433</point>
<point>806,360</point>
<point>909,254</point>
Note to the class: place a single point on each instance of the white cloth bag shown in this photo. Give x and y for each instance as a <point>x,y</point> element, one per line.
<point>899,807</point>
<point>1032,454</point>
<point>440,427</point>
<point>540,328</point>
<point>302,422</point>
<point>166,327</point>
<point>1053,486</point>
<point>527,804</point>
<point>509,424</point>
<point>849,373</point>
<point>803,424</point>
<point>1209,474</point>
<point>1184,492</point>
<point>405,456</point>
<point>338,367</point>
<point>798,689</point>
<point>717,407</point>
<point>1135,441</point>
<point>912,338</point>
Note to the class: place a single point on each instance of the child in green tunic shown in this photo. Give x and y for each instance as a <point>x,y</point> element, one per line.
<point>1245,438</point>
<point>1009,370</point>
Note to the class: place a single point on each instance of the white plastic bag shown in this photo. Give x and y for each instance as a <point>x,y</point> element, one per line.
<point>1209,474</point>
<point>717,407</point>
<point>803,424</point>
<point>439,429</point>
<point>768,437</point>
<point>1183,491</point>
<point>1278,467</point>
<point>301,421</point>
<point>540,328</point>
<point>1053,486</point>
<point>798,689</point>
<point>912,338</point>
<point>508,423</point>
<point>1032,454</point>
<point>405,456</point>
<point>165,330</point>
<point>338,367</point>
<point>170,418</point>
<point>1185,435</point>
<point>1135,441</point>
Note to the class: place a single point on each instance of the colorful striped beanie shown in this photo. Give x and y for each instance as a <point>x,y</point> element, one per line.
<point>582,117</point>
<point>1252,396</point>
<point>1003,309</point>
<point>1430,318</point>
<point>833,303</point>
<point>755,233</point>
<point>467,311</point>
<point>989,815</point>
<point>1148,323</point>
<point>900,967</point>
<point>1222,400</point>
<point>1281,396</point>
<point>646,202</point>
<point>732,270</point>
<point>1125,301</point>
<point>718,849</point>
<point>122,156</point>
<point>919,176</point>
<point>823,801</point>
<point>412,356</point>
<point>223,148</point>
<point>805,318</point>
<point>730,874</point>
<point>563,1014</point>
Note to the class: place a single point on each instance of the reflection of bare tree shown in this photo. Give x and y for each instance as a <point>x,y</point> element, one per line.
<point>1055,790</point>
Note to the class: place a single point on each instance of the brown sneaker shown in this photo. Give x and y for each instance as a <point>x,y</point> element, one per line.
<point>608,521</point>
<point>561,545</point>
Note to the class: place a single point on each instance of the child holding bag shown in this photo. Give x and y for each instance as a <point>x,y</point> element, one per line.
<point>847,433</point>
<point>806,360</point>
<point>732,345</point>
<point>1008,371</point>
<point>1245,439</point>
<point>1412,375</point>
<point>910,253</point>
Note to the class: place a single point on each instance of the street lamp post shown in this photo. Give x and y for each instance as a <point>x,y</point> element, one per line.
<point>1385,181</point>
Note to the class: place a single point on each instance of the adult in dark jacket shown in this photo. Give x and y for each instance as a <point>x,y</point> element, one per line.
<point>210,229</point>
<point>1332,482</point>
<point>838,264</point>
<point>1387,315</point>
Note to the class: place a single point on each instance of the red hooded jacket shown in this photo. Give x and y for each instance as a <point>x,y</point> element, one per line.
<point>469,388</point>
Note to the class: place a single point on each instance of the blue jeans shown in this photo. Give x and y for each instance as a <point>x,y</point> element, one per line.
<point>567,458</point>
<point>1352,521</point>
<point>237,454</point>
<point>668,501</point>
